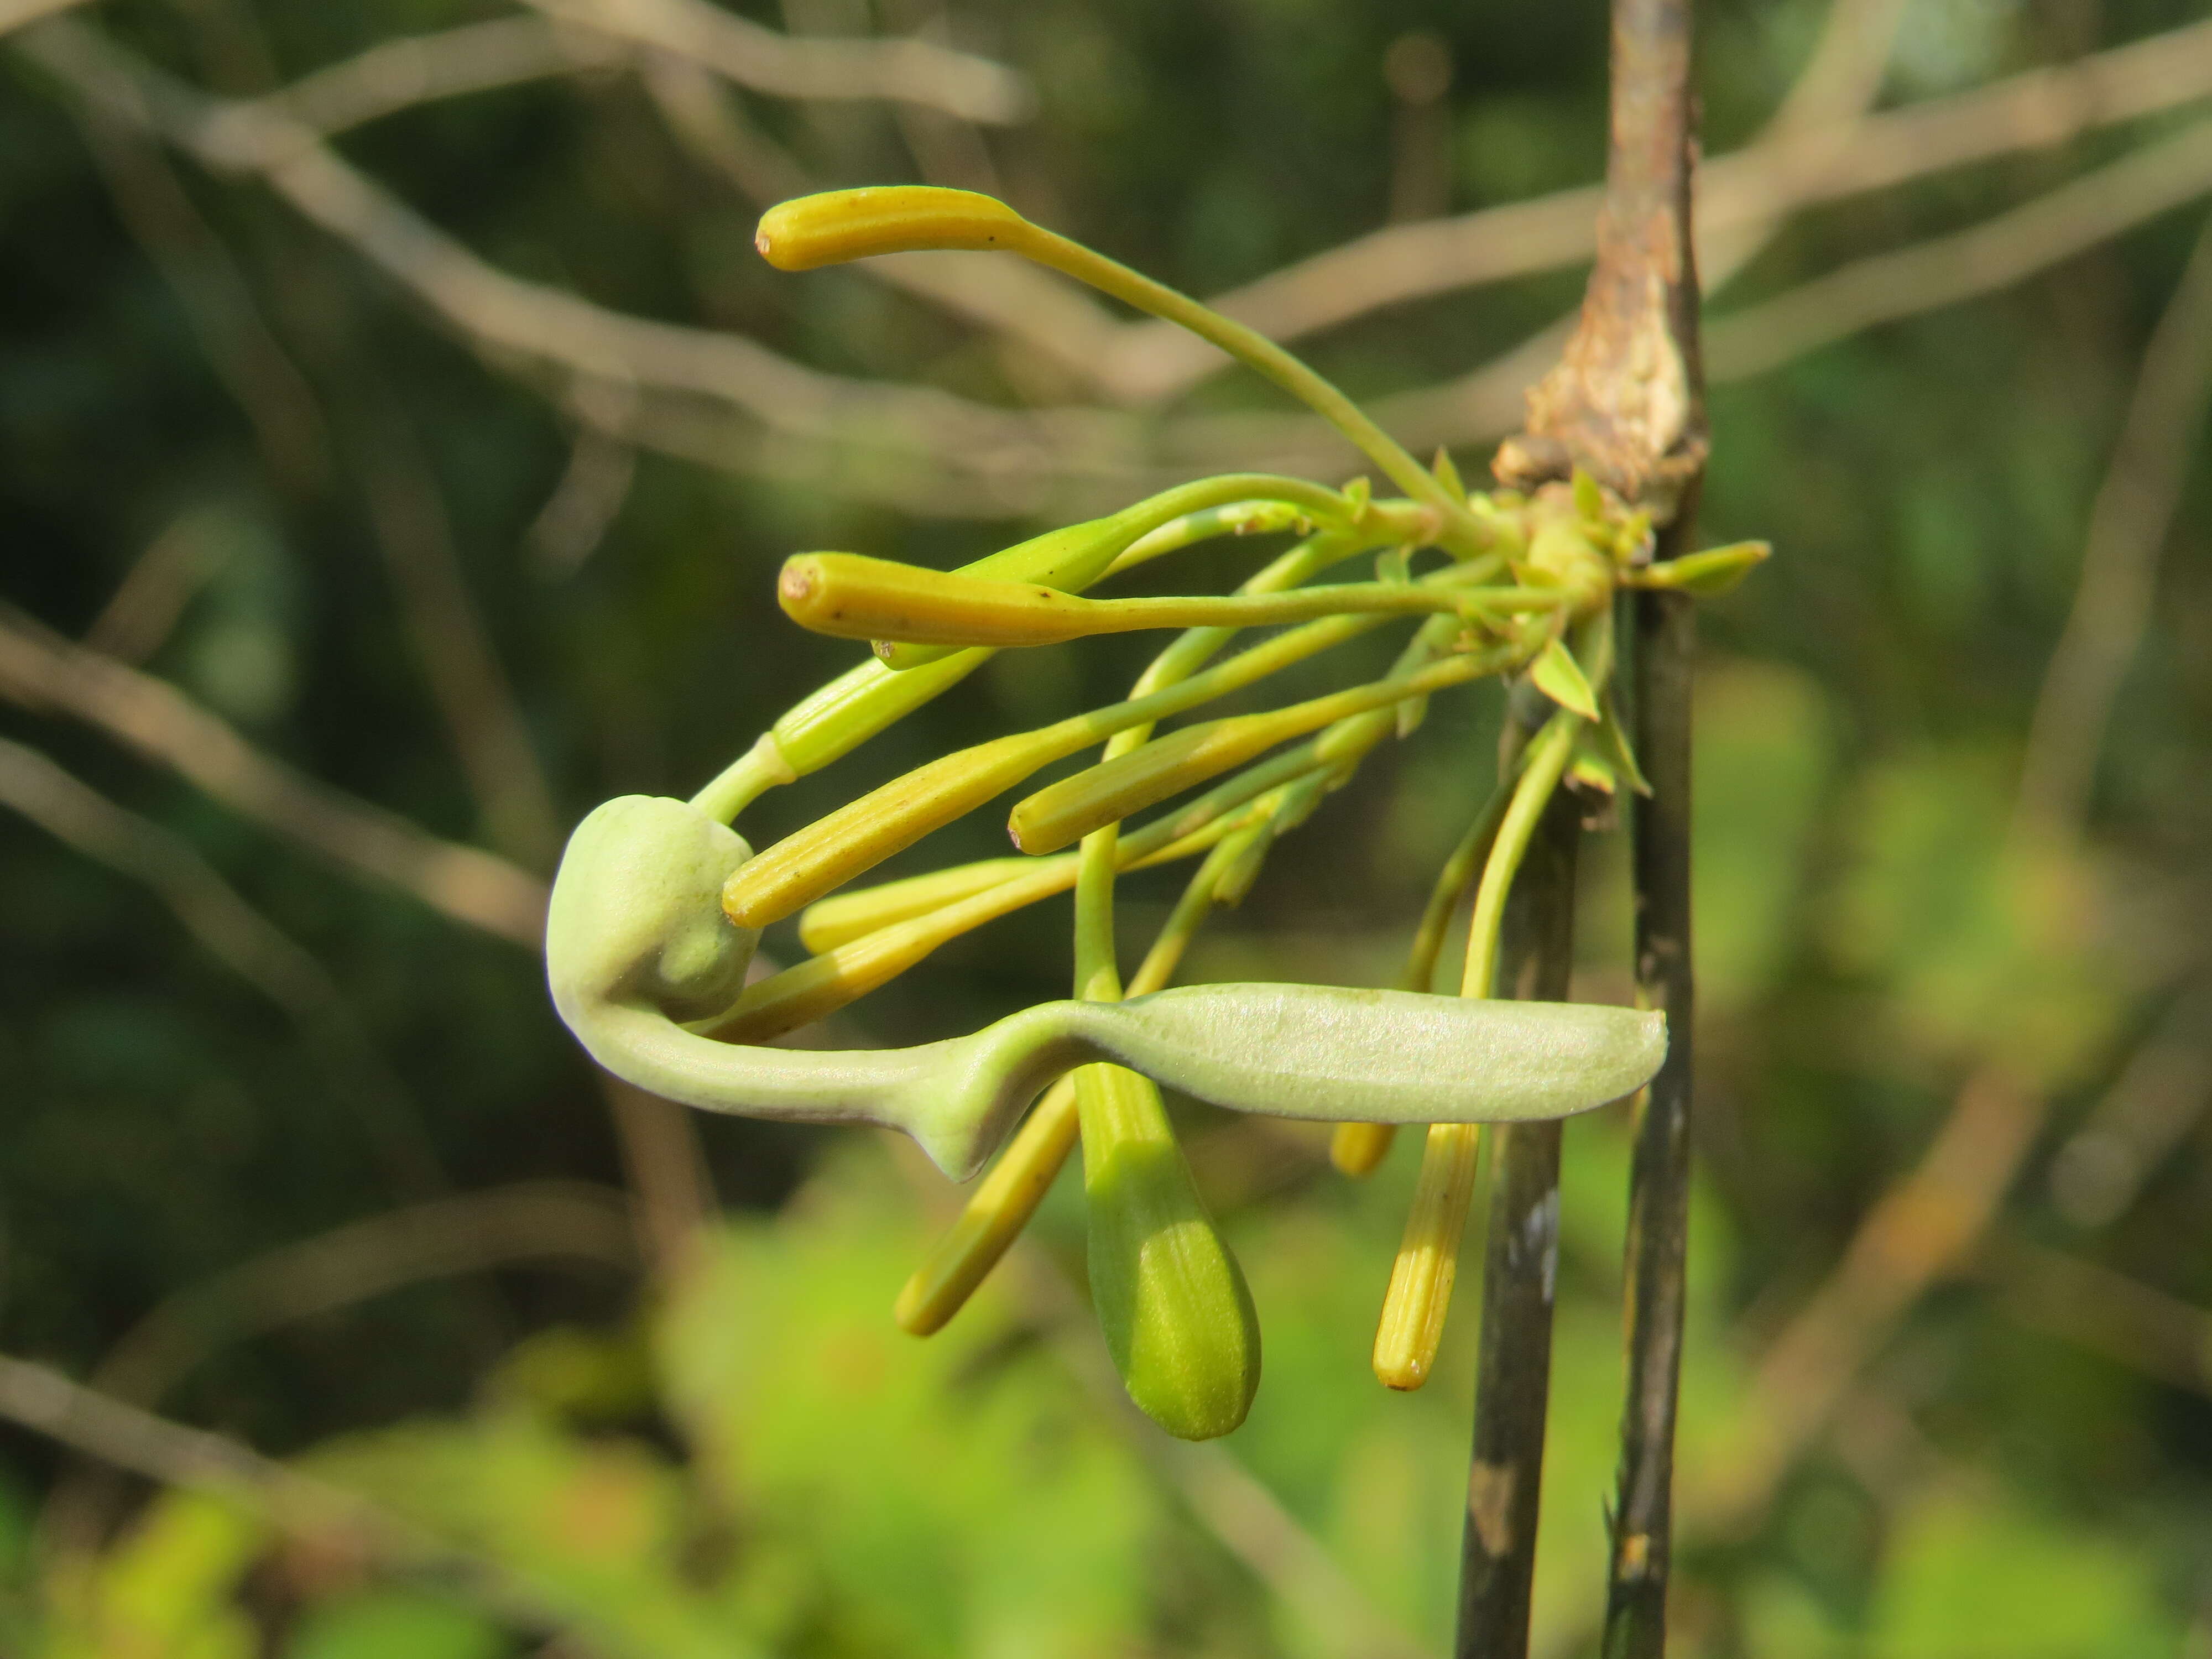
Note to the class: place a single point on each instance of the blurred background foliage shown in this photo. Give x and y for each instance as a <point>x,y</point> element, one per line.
<point>298,1154</point>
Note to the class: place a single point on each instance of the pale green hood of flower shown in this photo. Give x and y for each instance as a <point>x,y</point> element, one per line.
<point>636,942</point>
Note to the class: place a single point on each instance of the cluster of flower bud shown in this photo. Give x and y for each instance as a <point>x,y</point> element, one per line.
<point>658,903</point>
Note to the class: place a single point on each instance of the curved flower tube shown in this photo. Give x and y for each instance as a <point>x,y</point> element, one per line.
<point>637,944</point>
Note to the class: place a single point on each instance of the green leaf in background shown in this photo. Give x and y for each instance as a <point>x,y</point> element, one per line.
<point>1764,753</point>
<point>1973,1575</point>
<point>1984,944</point>
<point>166,1589</point>
<point>592,1535</point>
<point>960,1495</point>
<point>394,1625</point>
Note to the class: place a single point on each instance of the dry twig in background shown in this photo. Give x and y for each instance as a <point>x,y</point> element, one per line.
<point>1932,1222</point>
<point>885,431</point>
<point>1802,167</point>
<point>1945,270</point>
<point>40,670</point>
<point>41,1399</point>
<point>466,1233</point>
<point>2129,524</point>
<point>244,940</point>
<point>909,70</point>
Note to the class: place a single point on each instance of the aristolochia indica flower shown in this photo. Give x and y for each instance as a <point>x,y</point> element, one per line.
<point>658,903</point>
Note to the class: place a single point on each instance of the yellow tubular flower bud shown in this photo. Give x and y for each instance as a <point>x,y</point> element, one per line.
<point>1427,1263</point>
<point>851,224</point>
<point>837,225</point>
<point>993,1217</point>
<point>834,922</point>
<point>862,834</point>
<point>849,970</point>
<point>1359,1149</point>
<point>1069,810</point>
<point>829,852</point>
<point>1007,1197</point>
<point>911,611</point>
<point>1069,559</point>
<point>852,597</point>
<point>1421,1278</point>
<point>820,985</point>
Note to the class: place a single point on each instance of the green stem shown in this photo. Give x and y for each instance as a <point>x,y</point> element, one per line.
<point>1543,763</point>
<point>1497,1549</point>
<point>742,782</point>
<point>1463,533</point>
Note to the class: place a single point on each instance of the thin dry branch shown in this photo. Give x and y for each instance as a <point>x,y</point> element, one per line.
<point>17,13</point>
<point>415,534</point>
<point>405,510</point>
<point>584,505</point>
<point>40,1398</point>
<point>1929,275</point>
<point>467,1233</point>
<point>1045,313</point>
<point>2130,521</point>
<point>1932,1222</point>
<point>398,73</point>
<point>910,70</point>
<point>244,940</point>
<point>218,304</point>
<point>1818,149</point>
<point>2107,1312</point>
<point>448,1238</point>
<point>42,671</point>
<point>209,907</point>
<point>1485,403</point>
<point>1245,1515</point>
<point>143,610</point>
<point>2161,1095</point>
<point>665,1165</point>
<point>1839,83</point>
<point>1801,167</point>
<point>878,424</point>
<point>1923,1228</point>
<point>726,402</point>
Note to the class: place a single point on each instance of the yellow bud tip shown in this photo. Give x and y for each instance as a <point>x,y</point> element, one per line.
<point>837,225</point>
<point>795,588</point>
<point>1358,1149</point>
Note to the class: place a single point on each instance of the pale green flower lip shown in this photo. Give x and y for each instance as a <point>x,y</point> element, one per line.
<point>637,941</point>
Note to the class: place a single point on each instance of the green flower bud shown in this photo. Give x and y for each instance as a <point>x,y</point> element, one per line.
<point>860,702</point>
<point>1170,1296</point>
<point>1562,555</point>
<point>1061,814</point>
<point>1559,677</point>
<point>850,596</point>
<point>1707,574</point>
<point>1069,559</point>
